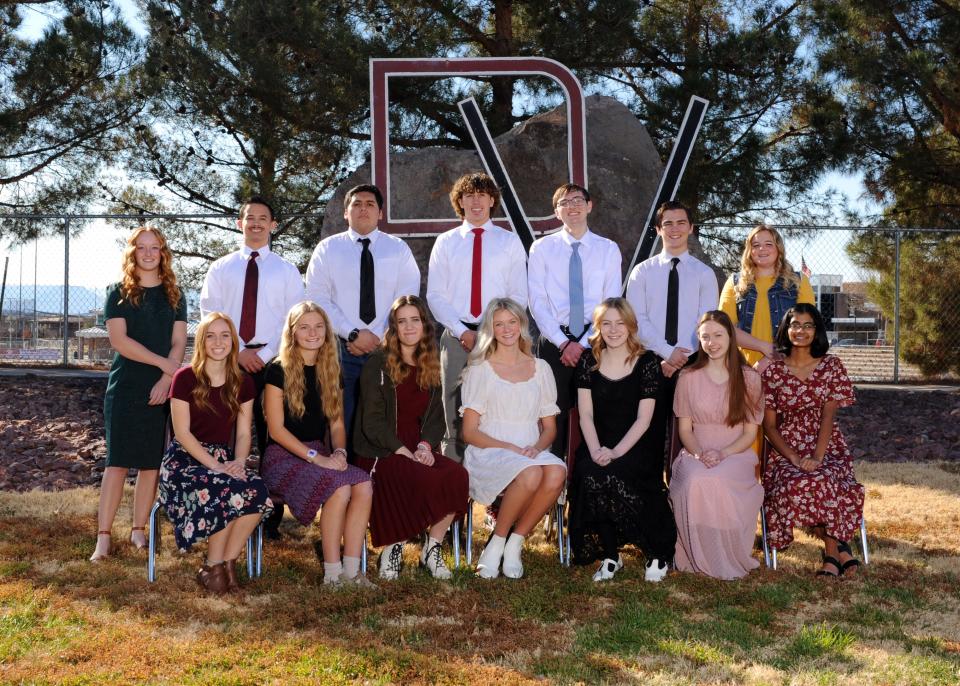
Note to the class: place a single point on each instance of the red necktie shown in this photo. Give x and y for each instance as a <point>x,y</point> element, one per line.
<point>476,303</point>
<point>248,312</point>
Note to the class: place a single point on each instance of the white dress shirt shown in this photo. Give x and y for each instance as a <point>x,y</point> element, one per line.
<point>279,288</point>
<point>548,277</point>
<point>333,278</point>
<point>503,267</point>
<point>647,294</point>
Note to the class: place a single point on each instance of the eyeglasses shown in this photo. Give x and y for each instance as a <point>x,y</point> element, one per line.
<point>805,326</point>
<point>572,202</point>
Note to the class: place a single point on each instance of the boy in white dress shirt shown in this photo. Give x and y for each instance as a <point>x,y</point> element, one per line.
<point>470,265</point>
<point>560,282</point>
<point>667,313</point>
<point>255,287</point>
<point>355,276</point>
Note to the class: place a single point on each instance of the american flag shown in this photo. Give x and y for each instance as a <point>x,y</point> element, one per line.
<point>804,269</point>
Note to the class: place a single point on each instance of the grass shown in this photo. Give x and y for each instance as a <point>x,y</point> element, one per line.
<point>65,621</point>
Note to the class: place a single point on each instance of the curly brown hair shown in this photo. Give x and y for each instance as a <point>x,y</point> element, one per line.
<point>427,354</point>
<point>130,288</point>
<point>234,377</point>
<point>475,182</point>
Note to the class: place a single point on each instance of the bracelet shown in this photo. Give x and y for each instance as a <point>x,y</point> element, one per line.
<point>425,445</point>
<point>343,451</point>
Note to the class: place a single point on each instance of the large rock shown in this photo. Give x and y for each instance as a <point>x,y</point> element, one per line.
<point>623,170</point>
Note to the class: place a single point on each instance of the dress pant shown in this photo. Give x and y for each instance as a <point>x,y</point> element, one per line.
<point>566,392</point>
<point>453,358</point>
<point>350,368</point>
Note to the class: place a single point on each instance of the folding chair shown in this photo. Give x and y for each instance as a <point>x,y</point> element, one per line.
<point>770,554</point>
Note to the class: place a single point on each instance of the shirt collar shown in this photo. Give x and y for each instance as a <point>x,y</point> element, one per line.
<point>354,236</point>
<point>570,240</point>
<point>467,227</point>
<point>665,257</point>
<point>262,252</point>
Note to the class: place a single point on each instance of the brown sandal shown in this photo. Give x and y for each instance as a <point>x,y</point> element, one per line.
<point>96,557</point>
<point>213,578</point>
<point>233,584</point>
<point>136,545</point>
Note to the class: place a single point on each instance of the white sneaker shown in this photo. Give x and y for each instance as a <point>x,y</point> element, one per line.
<point>656,570</point>
<point>488,566</point>
<point>512,565</point>
<point>359,580</point>
<point>391,561</point>
<point>431,557</point>
<point>608,568</point>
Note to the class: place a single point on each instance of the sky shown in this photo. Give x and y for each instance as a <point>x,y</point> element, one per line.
<point>95,255</point>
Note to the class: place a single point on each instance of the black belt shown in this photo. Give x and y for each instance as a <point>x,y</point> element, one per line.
<point>254,346</point>
<point>472,327</point>
<point>570,336</point>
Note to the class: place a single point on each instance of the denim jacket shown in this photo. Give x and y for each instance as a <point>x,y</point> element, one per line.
<point>780,298</point>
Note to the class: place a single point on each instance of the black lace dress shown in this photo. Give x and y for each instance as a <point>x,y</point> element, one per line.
<point>626,501</point>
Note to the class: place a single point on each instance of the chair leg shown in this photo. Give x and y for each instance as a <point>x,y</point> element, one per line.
<point>559,522</point>
<point>468,542</point>
<point>363,557</point>
<point>863,541</point>
<point>773,556</point>
<point>763,534</point>
<point>259,565</point>
<point>455,542</point>
<point>154,528</point>
<point>251,545</point>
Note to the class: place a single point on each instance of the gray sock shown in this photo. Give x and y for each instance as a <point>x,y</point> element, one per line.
<point>351,566</point>
<point>331,572</point>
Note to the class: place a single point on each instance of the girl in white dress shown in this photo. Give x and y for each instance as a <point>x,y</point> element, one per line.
<point>509,420</point>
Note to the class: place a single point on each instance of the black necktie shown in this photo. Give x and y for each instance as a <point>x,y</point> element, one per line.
<point>368,301</point>
<point>673,303</point>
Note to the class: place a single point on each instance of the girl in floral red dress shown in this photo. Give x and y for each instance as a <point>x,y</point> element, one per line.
<point>809,478</point>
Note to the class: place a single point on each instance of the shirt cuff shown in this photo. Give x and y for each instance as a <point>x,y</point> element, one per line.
<point>265,353</point>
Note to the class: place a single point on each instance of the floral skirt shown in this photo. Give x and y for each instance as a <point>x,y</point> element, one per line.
<point>199,501</point>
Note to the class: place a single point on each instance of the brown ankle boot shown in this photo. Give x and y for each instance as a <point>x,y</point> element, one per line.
<point>233,584</point>
<point>213,578</point>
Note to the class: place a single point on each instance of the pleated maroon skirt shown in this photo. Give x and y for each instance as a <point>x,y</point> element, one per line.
<point>409,497</point>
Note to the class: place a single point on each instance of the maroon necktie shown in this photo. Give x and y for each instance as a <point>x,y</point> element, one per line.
<point>476,304</point>
<point>248,313</point>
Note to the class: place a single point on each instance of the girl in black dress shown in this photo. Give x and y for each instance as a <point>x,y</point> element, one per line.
<point>146,316</point>
<point>617,494</point>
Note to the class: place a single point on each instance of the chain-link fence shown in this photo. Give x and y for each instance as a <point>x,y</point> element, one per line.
<point>891,298</point>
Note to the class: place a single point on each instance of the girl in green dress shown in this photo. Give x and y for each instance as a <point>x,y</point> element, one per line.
<point>146,316</point>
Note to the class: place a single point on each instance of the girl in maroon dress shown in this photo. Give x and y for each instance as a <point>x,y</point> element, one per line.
<point>809,474</point>
<point>399,421</point>
<point>301,402</point>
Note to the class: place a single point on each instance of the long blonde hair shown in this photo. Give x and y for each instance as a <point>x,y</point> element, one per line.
<point>598,345</point>
<point>234,377</point>
<point>426,356</point>
<point>783,269</point>
<point>327,366</point>
<point>130,288</point>
<point>486,342</point>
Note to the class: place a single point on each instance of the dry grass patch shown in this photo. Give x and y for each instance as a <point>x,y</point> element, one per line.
<point>63,620</point>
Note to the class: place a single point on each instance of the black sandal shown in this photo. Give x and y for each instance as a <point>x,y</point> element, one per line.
<point>829,560</point>
<point>844,547</point>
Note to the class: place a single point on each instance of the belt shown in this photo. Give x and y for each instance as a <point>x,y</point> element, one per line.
<point>254,346</point>
<point>472,327</point>
<point>570,335</point>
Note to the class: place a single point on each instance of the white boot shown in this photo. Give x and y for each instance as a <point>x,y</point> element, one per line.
<point>431,557</point>
<point>608,568</point>
<point>391,561</point>
<point>488,566</point>
<point>512,566</point>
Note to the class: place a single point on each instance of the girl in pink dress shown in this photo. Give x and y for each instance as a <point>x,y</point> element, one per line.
<point>809,474</point>
<point>714,489</point>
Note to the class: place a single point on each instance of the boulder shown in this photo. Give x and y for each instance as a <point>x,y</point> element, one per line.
<point>623,171</point>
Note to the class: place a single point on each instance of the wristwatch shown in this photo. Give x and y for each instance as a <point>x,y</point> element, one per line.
<point>352,336</point>
<point>312,455</point>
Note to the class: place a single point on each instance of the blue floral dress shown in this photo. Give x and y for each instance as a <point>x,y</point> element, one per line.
<point>199,501</point>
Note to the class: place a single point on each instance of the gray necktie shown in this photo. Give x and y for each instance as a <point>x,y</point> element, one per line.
<point>576,291</point>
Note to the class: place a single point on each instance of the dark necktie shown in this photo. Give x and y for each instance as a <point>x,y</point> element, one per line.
<point>476,302</point>
<point>368,301</point>
<point>248,311</point>
<point>673,303</point>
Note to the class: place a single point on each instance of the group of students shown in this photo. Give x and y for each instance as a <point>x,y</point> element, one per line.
<point>365,415</point>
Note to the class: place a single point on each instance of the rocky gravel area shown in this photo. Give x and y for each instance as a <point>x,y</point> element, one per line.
<point>51,430</point>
